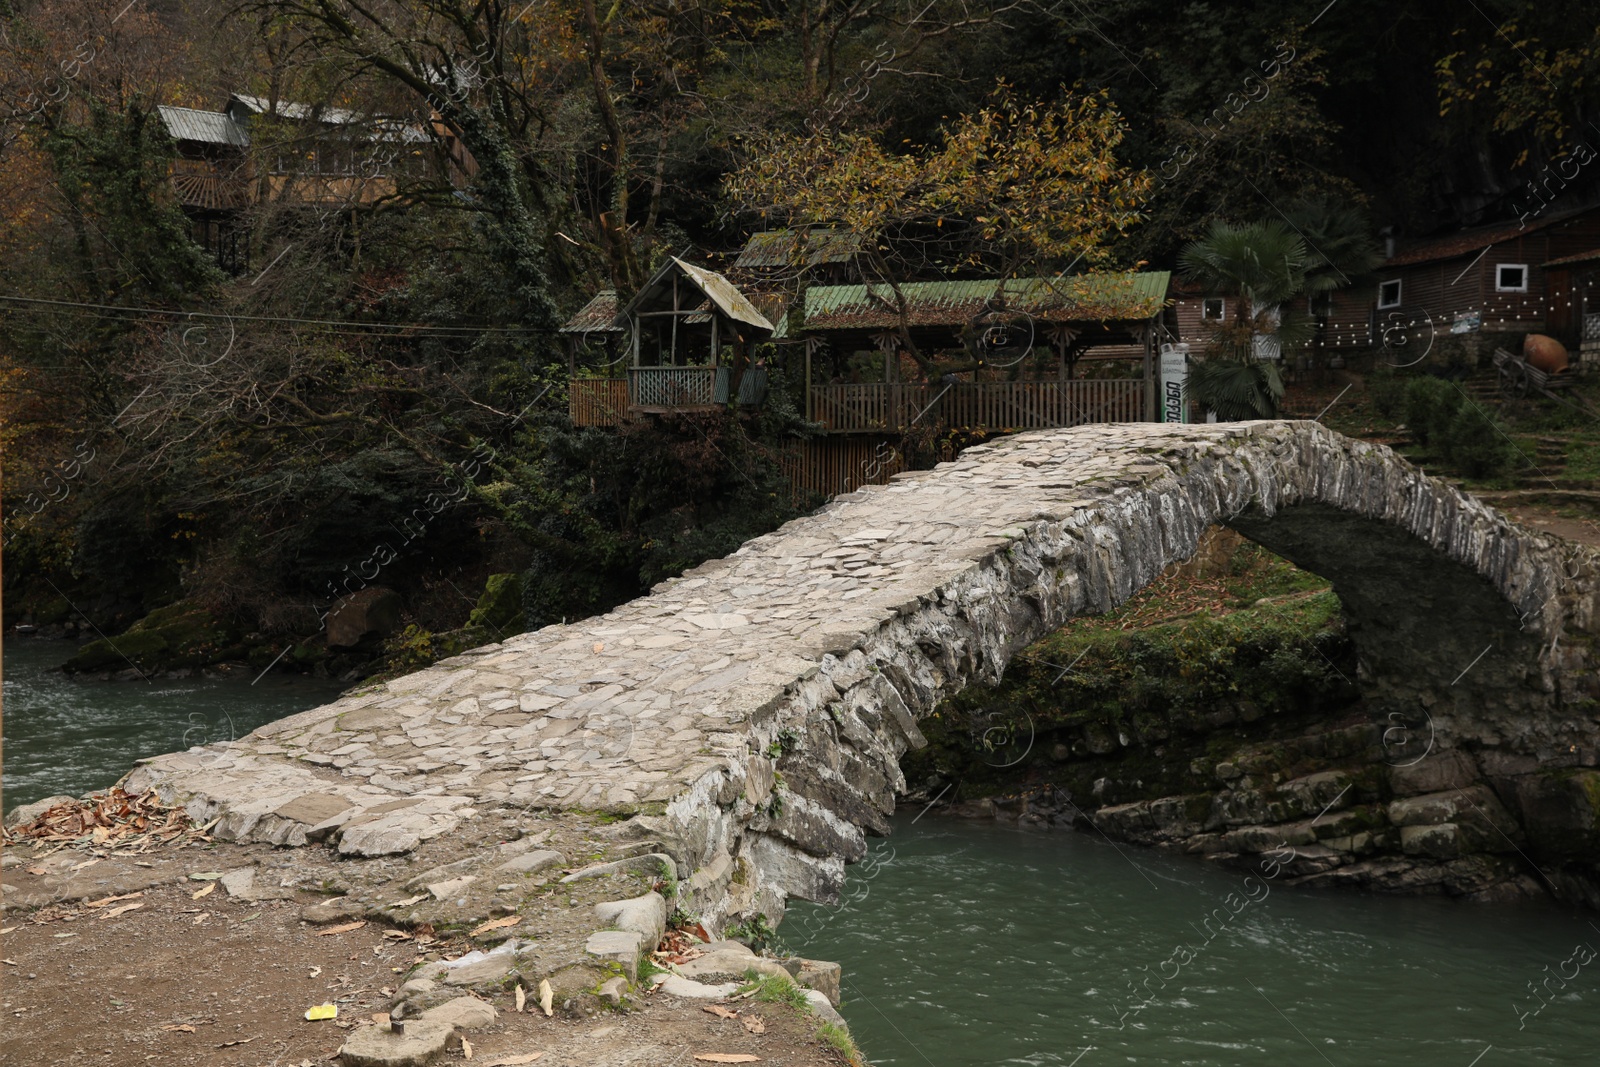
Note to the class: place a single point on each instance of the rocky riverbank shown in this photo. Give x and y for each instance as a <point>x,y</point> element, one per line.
<point>525,935</point>
<point>1204,718</point>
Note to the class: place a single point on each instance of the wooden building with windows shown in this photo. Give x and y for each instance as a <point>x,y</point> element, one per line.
<point>293,155</point>
<point>1506,278</point>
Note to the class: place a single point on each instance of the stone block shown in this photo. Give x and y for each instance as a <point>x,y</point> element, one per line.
<point>1450,769</point>
<point>533,862</point>
<point>314,808</point>
<point>421,1044</point>
<point>1442,841</point>
<point>644,915</point>
<point>621,947</point>
<point>463,1013</point>
<point>368,841</point>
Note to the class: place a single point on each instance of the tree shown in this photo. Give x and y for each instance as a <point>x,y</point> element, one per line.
<point>1015,185</point>
<point>1262,265</point>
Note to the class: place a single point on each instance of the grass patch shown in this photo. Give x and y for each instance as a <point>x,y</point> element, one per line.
<point>775,989</point>
<point>839,1039</point>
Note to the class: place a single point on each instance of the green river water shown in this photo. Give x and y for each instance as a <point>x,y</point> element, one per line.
<point>68,736</point>
<point>967,944</point>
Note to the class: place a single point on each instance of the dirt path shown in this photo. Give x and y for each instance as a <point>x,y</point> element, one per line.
<point>179,971</point>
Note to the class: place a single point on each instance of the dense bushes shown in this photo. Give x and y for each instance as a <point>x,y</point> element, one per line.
<point>1458,429</point>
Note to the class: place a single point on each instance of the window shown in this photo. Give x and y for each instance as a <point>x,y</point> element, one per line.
<point>1211,309</point>
<point>1389,293</point>
<point>1511,277</point>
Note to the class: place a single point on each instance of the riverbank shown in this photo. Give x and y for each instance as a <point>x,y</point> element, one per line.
<point>210,954</point>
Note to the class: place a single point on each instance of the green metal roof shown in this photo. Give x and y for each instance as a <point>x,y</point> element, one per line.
<point>1099,297</point>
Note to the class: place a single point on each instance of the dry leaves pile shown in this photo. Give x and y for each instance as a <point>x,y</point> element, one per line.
<point>129,822</point>
<point>681,944</point>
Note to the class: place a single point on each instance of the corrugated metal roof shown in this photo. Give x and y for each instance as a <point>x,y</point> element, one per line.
<point>596,315</point>
<point>1581,257</point>
<point>789,248</point>
<point>713,286</point>
<point>208,127</point>
<point>1077,298</point>
<point>1470,242</point>
<point>291,110</point>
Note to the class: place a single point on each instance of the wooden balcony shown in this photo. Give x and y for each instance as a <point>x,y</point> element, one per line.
<point>891,408</point>
<point>608,401</point>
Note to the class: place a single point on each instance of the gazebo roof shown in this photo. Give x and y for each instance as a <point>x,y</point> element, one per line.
<point>596,316</point>
<point>1108,297</point>
<point>717,290</point>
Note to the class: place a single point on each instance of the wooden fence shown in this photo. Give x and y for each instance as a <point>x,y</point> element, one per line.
<point>831,466</point>
<point>991,406</point>
<point>597,401</point>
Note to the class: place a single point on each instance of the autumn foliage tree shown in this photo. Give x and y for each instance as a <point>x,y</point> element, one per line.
<point>1014,185</point>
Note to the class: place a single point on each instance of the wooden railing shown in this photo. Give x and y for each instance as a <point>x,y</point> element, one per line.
<point>597,401</point>
<point>977,405</point>
<point>667,388</point>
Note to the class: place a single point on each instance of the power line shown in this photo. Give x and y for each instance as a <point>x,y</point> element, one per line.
<point>346,324</point>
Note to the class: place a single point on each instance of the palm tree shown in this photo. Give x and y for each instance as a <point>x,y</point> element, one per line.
<point>1340,240</point>
<point>1262,265</point>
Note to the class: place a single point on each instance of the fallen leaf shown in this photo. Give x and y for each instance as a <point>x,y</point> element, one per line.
<point>36,870</point>
<point>496,924</point>
<point>727,1057</point>
<point>322,1011</point>
<point>73,934</point>
<point>398,935</point>
<point>514,1061</point>
<point>466,1049</point>
<point>202,917</point>
<point>7,930</point>
<point>522,998</point>
<point>207,890</point>
<point>184,1028</point>
<point>10,963</point>
<point>241,1041</point>
<point>114,912</point>
<point>103,901</point>
<point>343,928</point>
<point>314,972</point>
<point>406,903</point>
<point>207,876</point>
<point>381,1018</point>
<point>755,1025</point>
<point>91,863</point>
<point>720,1012</point>
<point>547,996</point>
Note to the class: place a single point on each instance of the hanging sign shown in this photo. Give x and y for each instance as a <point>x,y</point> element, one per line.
<point>1174,368</point>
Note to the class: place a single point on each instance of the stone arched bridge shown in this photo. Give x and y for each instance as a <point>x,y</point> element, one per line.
<point>751,714</point>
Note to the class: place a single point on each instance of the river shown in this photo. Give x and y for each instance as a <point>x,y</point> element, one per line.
<point>68,736</point>
<point>967,944</point>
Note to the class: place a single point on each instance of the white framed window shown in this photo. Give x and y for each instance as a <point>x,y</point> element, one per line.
<point>1389,293</point>
<point>1212,309</point>
<point>1511,277</point>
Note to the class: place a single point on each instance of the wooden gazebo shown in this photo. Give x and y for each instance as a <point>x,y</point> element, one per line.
<point>1016,342</point>
<point>687,333</point>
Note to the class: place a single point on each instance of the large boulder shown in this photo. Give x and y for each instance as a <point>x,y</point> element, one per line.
<point>368,614</point>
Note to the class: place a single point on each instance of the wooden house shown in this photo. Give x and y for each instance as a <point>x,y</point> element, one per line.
<point>289,154</point>
<point>687,335</point>
<point>985,355</point>
<point>1506,278</point>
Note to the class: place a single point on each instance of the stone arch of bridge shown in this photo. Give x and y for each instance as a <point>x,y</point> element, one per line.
<point>1437,587</point>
